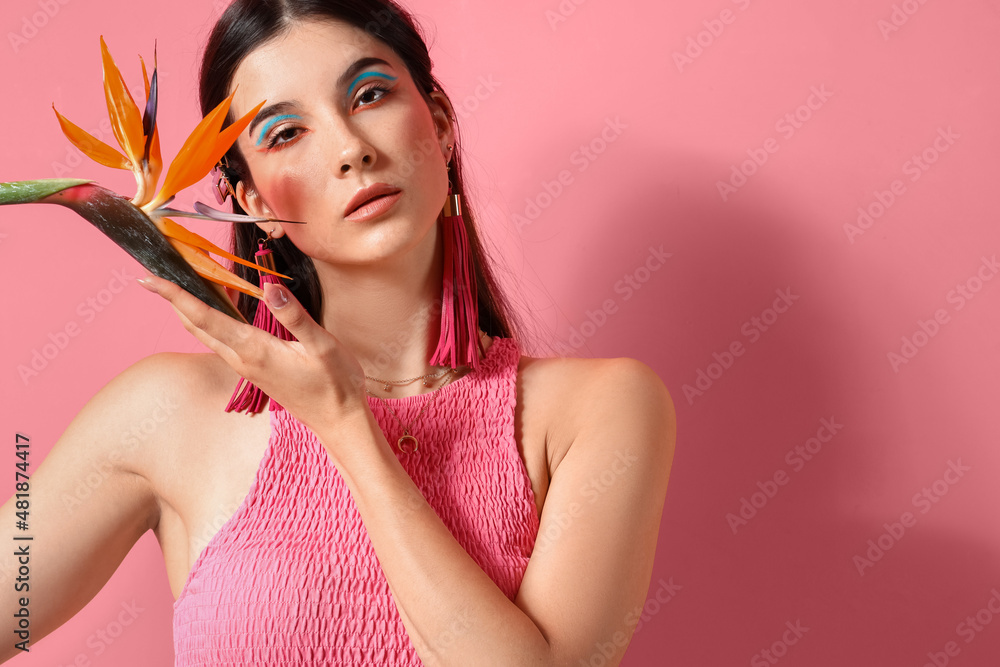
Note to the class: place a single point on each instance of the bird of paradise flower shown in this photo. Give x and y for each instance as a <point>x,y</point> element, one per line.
<point>141,226</point>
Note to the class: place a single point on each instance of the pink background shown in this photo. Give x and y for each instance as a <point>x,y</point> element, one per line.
<point>677,129</point>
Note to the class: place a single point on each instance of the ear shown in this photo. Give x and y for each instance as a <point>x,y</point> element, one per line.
<point>254,205</point>
<point>442,113</point>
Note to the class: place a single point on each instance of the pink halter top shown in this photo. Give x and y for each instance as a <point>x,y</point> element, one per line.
<point>292,578</point>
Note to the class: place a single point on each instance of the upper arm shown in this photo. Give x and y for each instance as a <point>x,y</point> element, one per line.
<point>589,573</point>
<point>89,502</point>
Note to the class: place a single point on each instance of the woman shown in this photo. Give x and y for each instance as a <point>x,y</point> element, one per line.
<point>504,512</point>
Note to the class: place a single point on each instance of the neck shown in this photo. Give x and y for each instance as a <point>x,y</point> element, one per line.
<point>388,313</point>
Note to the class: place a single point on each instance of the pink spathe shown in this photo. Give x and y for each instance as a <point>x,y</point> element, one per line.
<point>292,578</point>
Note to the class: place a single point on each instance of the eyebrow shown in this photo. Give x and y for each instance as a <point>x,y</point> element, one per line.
<point>282,107</point>
<point>356,67</point>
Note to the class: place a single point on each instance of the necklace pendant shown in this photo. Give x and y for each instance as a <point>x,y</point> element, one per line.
<point>386,387</point>
<point>407,436</point>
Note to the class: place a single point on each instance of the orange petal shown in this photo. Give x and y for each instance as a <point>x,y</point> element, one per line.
<point>155,160</point>
<point>209,269</point>
<point>199,142</point>
<point>202,150</point>
<point>229,135</point>
<point>173,230</point>
<point>92,147</point>
<point>126,120</point>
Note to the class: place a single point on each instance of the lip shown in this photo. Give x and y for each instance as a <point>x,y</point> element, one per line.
<point>374,208</point>
<point>358,207</point>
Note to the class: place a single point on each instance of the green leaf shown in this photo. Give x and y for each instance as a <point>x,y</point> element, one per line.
<point>29,192</point>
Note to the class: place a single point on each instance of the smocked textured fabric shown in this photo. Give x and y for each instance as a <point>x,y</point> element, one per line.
<point>292,578</point>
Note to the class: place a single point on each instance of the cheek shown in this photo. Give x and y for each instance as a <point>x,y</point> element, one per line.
<point>421,159</point>
<point>422,146</point>
<point>286,194</point>
<point>410,137</point>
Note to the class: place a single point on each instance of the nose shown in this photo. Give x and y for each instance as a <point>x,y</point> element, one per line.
<point>351,149</point>
<point>356,163</point>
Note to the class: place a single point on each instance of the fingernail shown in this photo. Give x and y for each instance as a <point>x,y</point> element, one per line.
<point>276,297</point>
<point>148,284</point>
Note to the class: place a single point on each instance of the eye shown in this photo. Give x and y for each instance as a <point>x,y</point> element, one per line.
<point>381,90</point>
<point>287,132</point>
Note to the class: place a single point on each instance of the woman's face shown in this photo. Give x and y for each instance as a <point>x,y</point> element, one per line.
<point>331,127</point>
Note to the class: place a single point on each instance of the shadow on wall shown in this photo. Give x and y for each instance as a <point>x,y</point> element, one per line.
<point>788,422</point>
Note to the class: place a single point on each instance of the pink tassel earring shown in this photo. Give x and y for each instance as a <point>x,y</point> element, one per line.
<point>247,396</point>
<point>459,342</point>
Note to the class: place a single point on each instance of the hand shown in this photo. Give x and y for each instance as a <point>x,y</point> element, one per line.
<point>315,378</point>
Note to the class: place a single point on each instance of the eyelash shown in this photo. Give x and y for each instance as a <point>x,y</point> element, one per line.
<point>382,87</point>
<point>272,141</point>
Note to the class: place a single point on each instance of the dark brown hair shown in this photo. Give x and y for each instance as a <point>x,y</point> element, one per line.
<point>245,25</point>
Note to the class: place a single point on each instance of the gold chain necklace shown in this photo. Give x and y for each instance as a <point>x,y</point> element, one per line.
<point>386,383</point>
<point>399,382</point>
<point>406,427</point>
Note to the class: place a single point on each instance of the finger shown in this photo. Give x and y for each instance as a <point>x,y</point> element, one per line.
<point>292,315</point>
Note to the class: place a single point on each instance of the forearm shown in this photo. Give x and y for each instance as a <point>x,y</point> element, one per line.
<point>457,615</point>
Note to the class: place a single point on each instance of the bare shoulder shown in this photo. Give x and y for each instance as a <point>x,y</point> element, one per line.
<point>573,387</point>
<point>180,373</point>
<point>167,386</point>
<point>579,394</point>
<point>165,399</point>
<point>180,387</point>
<point>142,401</point>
